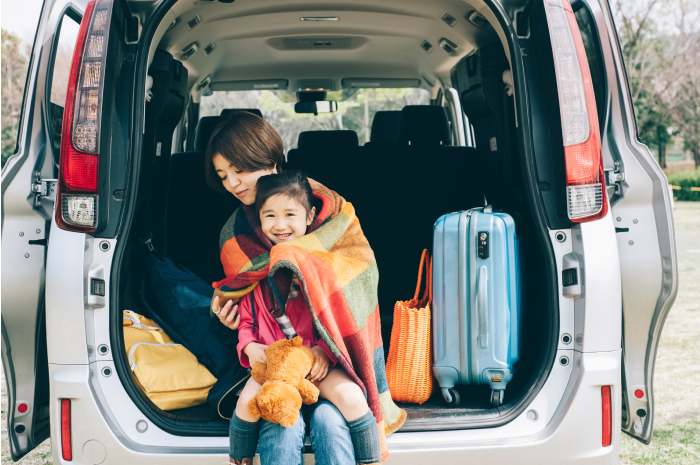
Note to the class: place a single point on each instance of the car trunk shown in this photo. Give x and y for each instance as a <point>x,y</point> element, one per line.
<point>398,193</point>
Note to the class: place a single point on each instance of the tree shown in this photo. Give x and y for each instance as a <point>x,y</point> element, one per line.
<point>683,76</point>
<point>660,45</point>
<point>645,57</point>
<point>14,73</point>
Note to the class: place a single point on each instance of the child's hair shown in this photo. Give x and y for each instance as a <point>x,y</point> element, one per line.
<point>292,183</point>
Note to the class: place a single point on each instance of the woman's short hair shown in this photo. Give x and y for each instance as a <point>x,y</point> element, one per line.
<point>292,183</point>
<point>247,141</point>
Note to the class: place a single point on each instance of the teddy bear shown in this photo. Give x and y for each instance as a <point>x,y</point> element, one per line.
<point>284,386</point>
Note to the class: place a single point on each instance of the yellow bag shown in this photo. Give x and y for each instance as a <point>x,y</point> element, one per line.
<point>168,373</point>
<point>409,364</point>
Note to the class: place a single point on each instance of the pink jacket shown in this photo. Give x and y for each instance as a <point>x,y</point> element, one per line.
<point>266,330</point>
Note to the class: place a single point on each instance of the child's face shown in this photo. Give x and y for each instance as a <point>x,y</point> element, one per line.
<point>283,218</point>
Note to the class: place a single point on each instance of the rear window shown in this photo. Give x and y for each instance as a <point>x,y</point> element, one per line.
<point>356,109</point>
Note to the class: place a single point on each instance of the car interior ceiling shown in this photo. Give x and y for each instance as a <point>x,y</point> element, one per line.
<point>400,182</point>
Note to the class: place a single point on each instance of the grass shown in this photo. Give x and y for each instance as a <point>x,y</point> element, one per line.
<point>673,444</point>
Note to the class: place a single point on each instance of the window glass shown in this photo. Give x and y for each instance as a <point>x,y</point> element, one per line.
<point>62,61</point>
<point>356,109</point>
<point>595,57</point>
<point>63,56</point>
<point>19,22</point>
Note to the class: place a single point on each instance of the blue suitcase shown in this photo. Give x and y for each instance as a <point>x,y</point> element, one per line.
<point>476,299</point>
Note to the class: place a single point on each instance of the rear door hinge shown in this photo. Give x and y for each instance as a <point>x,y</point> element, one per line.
<point>43,188</point>
<point>614,178</point>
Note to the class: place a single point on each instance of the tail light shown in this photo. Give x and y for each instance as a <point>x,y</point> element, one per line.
<point>606,410</point>
<point>66,440</point>
<point>80,133</point>
<point>585,178</point>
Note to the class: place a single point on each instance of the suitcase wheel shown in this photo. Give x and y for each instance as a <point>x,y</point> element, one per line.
<point>451,396</point>
<point>497,397</point>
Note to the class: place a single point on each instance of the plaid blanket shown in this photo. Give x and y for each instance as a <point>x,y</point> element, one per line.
<point>338,274</point>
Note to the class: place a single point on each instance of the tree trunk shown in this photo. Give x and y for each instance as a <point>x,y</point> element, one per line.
<point>662,147</point>
<point>696,156</point>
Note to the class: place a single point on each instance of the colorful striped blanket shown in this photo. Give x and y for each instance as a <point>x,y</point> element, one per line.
<point>338,274</point>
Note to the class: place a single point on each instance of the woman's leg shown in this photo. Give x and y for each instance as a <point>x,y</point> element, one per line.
<point>330,436</point>
<point>279,445</point>
<point>338,388</point>
<point>243,428</point>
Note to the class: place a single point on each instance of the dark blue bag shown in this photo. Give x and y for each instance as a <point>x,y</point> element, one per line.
<point>180,303</point>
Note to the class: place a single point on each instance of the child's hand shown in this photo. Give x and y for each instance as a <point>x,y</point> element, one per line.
<point>319,369</point>
<point>255,352</point>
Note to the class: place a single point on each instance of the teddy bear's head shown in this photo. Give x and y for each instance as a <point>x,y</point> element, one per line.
<point>284,383</point>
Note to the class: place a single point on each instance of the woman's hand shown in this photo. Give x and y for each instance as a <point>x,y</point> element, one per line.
<point>319,369</point>
<point>228,314</point>
<point>255,352</point>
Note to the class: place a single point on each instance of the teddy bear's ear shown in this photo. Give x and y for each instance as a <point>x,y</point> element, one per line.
<point>297,341</point>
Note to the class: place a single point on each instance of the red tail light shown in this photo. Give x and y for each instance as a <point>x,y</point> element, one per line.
<point>66,442</point>
<point>585,177</point>
<point>80,133</point>
<point>606,410</point>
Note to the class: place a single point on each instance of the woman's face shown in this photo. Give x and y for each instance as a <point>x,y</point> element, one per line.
<point>241,184</point>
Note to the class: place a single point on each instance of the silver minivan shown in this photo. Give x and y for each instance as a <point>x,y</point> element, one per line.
<point>532,92</point>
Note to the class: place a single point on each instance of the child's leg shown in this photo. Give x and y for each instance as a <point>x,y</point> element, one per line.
<point>347,396</point>
<point>243,430</point>
<point>344,393</point>
<point>247,394</point>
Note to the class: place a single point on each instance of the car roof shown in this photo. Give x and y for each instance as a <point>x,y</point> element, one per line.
<point>327,44</point>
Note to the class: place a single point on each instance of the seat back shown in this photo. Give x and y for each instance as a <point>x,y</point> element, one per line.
<point>404,188</point>
<point>326,156</point>
<point>195,216</point>
<point>168,96</point>
<point>386,128</point>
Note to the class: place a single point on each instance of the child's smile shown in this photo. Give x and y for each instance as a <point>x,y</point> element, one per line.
<point>283,218</point>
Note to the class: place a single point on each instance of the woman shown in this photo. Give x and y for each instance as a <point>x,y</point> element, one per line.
<point>235,168</point>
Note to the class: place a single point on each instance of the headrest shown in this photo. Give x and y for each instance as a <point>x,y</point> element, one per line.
<point>424,125</point>
<point>226,112</point>
<point>327,140</point>
<point>205,127</point>
<point>386,128</point>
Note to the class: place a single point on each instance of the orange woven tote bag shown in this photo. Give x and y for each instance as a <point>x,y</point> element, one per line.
<point>409,365</point>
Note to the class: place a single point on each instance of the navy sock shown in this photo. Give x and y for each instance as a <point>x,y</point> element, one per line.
<point>243,438</point>
<point>365,438</point>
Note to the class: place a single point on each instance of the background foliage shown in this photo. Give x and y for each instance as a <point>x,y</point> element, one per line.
<point>14,71</point>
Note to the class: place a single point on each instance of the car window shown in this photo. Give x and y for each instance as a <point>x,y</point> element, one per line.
<point>60,69</point>
<point>356,109</point>
<point>19,22</point>
<point>594,55</point>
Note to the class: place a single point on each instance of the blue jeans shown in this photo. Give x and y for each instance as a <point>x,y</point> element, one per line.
<point>330,439</point>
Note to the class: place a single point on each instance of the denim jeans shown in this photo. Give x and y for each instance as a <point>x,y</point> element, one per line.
<point>330,439</point>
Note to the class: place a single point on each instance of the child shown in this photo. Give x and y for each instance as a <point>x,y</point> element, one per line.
<point>284,204</point>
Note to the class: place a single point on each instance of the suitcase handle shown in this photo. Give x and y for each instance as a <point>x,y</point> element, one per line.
<point>482,303</point>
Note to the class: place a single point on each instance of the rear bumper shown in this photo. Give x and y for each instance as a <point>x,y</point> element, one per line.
<point>571,436</point>
<point>555,429</point>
